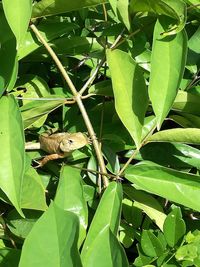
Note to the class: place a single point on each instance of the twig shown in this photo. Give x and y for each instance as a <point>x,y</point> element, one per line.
<point>144,142</point>
<point>193,6</point>
<point>112,176</point>
<point>67,100</point>
<point>128,162</point>
<point>93,76</point>
<point>78,99</point>
<point>105,12</point>
<point>118,43</point>
<point>114,45</point>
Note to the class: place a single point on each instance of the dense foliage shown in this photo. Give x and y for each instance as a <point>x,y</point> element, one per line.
<point>128,71</point>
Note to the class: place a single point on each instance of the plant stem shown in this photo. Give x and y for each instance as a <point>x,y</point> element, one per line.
<point>93,76</point>
<point>78,99</point>
<point>128,162</point>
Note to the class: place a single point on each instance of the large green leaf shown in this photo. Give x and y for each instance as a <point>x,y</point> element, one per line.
<point>106,251</point>
<point>107,214</point>
<point>130,92</point>
<point>52,241</point>
<point>167,66</point>
<point>176,186</point>
<point>9,65</point>
<point>18,14</point>
<point>12,146</point>
<point>173,9</point>
<point>69,196</point>
<point>187,135</point>
<point>53,7</point>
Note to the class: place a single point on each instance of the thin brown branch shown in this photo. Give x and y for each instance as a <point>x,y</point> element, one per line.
<point>78,99</point>
<point>92,77</point>
<point>111,176</point>
<point>128,162</point>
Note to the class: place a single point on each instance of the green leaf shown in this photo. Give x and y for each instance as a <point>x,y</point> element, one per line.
<point>126,234</point>
<point>167,66</point>
<point>9,257</point>
<point>73,45</point>
<point>147,203</point>
<point>52,241</point>
<point>187,103</point>
<point>102,88</point>
<point>33,111</point>
<point>187,135</point>
<point>130,92</point>
<point>150,244</point>
<point>110,205</point>
<point>9,64</point>
<point>69,196</point>
<point>33,192</point>
<point>12,145</point>
<point>193,51</point>
<point>173,9</point>
<point>175,155</point>
<point>106,251</point>
<point>53,7</point>
<point>19,226</point>
<point>174,227</point>
<point>49,30</point>
<point>18,14</point>
<point>176,186</point>
<point>123,11</point>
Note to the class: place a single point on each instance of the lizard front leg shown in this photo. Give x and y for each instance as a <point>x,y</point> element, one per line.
<point>47,158</point>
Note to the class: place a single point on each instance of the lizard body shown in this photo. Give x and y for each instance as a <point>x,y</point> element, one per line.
<point>58,145</point>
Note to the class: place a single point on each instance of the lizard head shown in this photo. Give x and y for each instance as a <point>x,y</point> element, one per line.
<point>73,141</point>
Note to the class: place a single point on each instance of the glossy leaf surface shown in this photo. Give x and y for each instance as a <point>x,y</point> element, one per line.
<point>174,227</point>
<point>53,7</point>
<point>167,66</point>
<point>69,196</point>
<point>187,135</point>
<point>8,69</point>
<point>175,155</point>
<point>147,203</point>
<point>12,145</point>
<point>151,244</point>
<point>18,24</point>
<point>173,9</point>
<point>110,205</point>
<point>129,91</point>
<point>52,240</point>
<point>176,186</point>
<point>107,251</point>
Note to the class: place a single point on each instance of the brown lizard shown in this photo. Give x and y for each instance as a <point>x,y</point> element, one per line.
<point>58,145</point>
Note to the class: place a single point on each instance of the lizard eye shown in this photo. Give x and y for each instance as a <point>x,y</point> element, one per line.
<point>70,141</point>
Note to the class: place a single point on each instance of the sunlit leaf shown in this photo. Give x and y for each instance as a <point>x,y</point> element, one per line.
<point>12,145</point>
<point>129,91</point>
<point>180,187</point>
<point>167,66</point>
<point>52,241</point>
<point>18,24</point>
